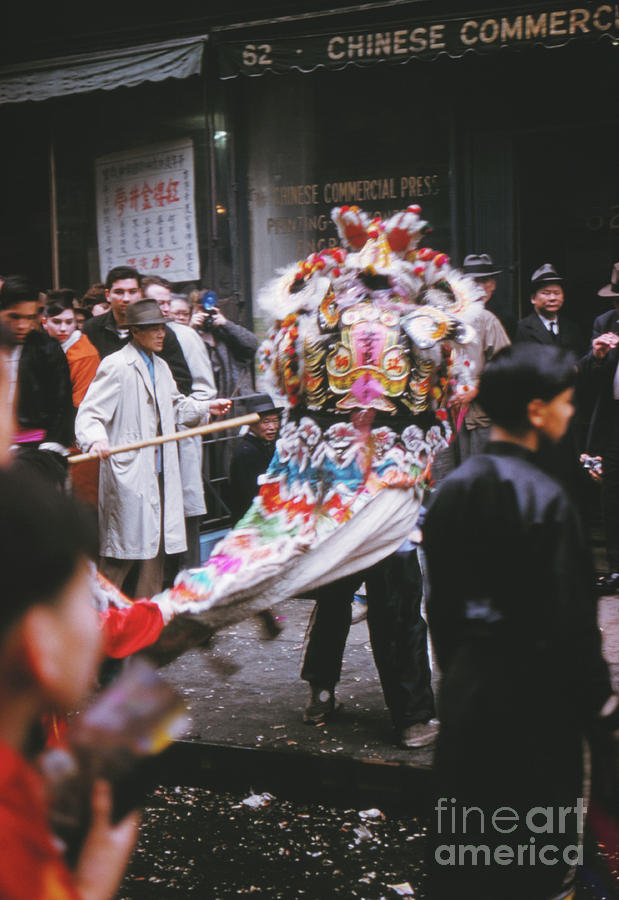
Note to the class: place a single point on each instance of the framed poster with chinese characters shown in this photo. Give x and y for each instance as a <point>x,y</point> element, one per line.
<point>146,212</point>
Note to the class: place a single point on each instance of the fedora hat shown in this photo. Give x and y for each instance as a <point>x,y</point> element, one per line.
<point>144,312</point>
<point>546,274</point>
<point>612,289</point>
<point>261,404</point>
<point>480,265</point>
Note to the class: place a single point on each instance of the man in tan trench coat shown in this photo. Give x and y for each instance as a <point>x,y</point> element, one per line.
<point>134,397</point>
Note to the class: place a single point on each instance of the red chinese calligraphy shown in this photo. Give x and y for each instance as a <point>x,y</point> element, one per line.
<point>167,259</point>
<point>160,194</point>
<point>120,200</point>
<point>172,192</point>
<point>146,193</point>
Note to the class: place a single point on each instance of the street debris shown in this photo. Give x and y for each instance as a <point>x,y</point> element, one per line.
<point>258,800</point>
<point>403,890</point>
<point>363,834</point>
<point>371,814</point>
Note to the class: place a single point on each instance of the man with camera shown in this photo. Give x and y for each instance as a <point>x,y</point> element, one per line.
<point>231,348</point>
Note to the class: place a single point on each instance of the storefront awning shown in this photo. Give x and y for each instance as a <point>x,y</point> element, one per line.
<point>101,71</point>
<point>535,23</point>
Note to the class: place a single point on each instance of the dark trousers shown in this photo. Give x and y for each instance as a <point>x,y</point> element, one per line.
<point>398,635</point>
<point>610,494</point>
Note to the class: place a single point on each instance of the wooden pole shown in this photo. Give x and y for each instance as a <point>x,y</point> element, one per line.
<point>177,436</point>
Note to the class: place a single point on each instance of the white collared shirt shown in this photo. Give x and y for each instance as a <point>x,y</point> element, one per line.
<point>547,323</point>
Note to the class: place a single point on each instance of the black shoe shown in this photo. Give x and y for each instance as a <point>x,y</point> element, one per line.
<point>607,584</point>
<point>420,734</point>
<point>322,704</point>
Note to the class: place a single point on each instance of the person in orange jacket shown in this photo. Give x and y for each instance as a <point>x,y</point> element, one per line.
<point>60,322</point>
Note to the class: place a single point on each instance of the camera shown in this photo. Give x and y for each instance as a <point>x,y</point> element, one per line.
<point>207,301</point>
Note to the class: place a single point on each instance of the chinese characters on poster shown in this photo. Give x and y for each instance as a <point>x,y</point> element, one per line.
<point>146,213</point>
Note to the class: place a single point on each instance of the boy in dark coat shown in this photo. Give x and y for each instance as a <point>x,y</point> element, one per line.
<point>513,620</point>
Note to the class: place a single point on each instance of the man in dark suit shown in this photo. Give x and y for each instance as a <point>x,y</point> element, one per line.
<point>600,366</point>
<point>544,325</point>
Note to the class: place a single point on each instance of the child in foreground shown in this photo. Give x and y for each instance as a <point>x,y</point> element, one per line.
<point>50,651</point>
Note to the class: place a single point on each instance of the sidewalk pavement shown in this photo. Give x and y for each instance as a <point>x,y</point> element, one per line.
<point>260,705</point>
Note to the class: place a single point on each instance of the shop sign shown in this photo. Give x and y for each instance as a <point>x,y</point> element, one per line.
<point>534,23</point>
<point>146,211</point>
<point>290,220</point>
<point>302,212</point>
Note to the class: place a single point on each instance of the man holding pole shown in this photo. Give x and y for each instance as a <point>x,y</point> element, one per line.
<point>134,397</point>
<point>202,388</point>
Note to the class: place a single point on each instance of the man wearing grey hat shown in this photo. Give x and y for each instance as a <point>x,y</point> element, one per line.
<point>545,325</point>
<point>491,337</point>
<point>601,366</point>
<point>134,397</point>
<point>481,267</point>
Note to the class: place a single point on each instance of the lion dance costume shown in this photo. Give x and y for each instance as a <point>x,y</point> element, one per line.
<point>368,351</point>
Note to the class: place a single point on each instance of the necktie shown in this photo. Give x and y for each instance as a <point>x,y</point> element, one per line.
<point>554,331</point>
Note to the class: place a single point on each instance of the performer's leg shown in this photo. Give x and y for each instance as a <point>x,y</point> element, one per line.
<point>329,627</point>
<point>398,635</point>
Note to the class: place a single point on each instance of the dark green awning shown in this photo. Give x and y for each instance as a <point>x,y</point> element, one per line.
<point>104,71</point>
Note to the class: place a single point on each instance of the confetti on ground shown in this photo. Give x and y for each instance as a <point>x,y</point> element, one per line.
<point>197,843</point>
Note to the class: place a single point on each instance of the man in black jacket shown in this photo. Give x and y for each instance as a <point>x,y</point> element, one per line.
<point>39,371</point>
<point>231,349</point>
<point>600,369</point>
<point>252,454</point>
<point>545,325</point>
<point>110,331</point>
<point>512,616</point>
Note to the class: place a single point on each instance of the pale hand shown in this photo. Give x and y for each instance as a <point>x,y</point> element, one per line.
<point>107,848</point>
<point>220,406</point>
<point>197,318</point>
<point>463,394</point>
<point>605,342</point>
<point>100,449</point>
<point>218,318</point>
